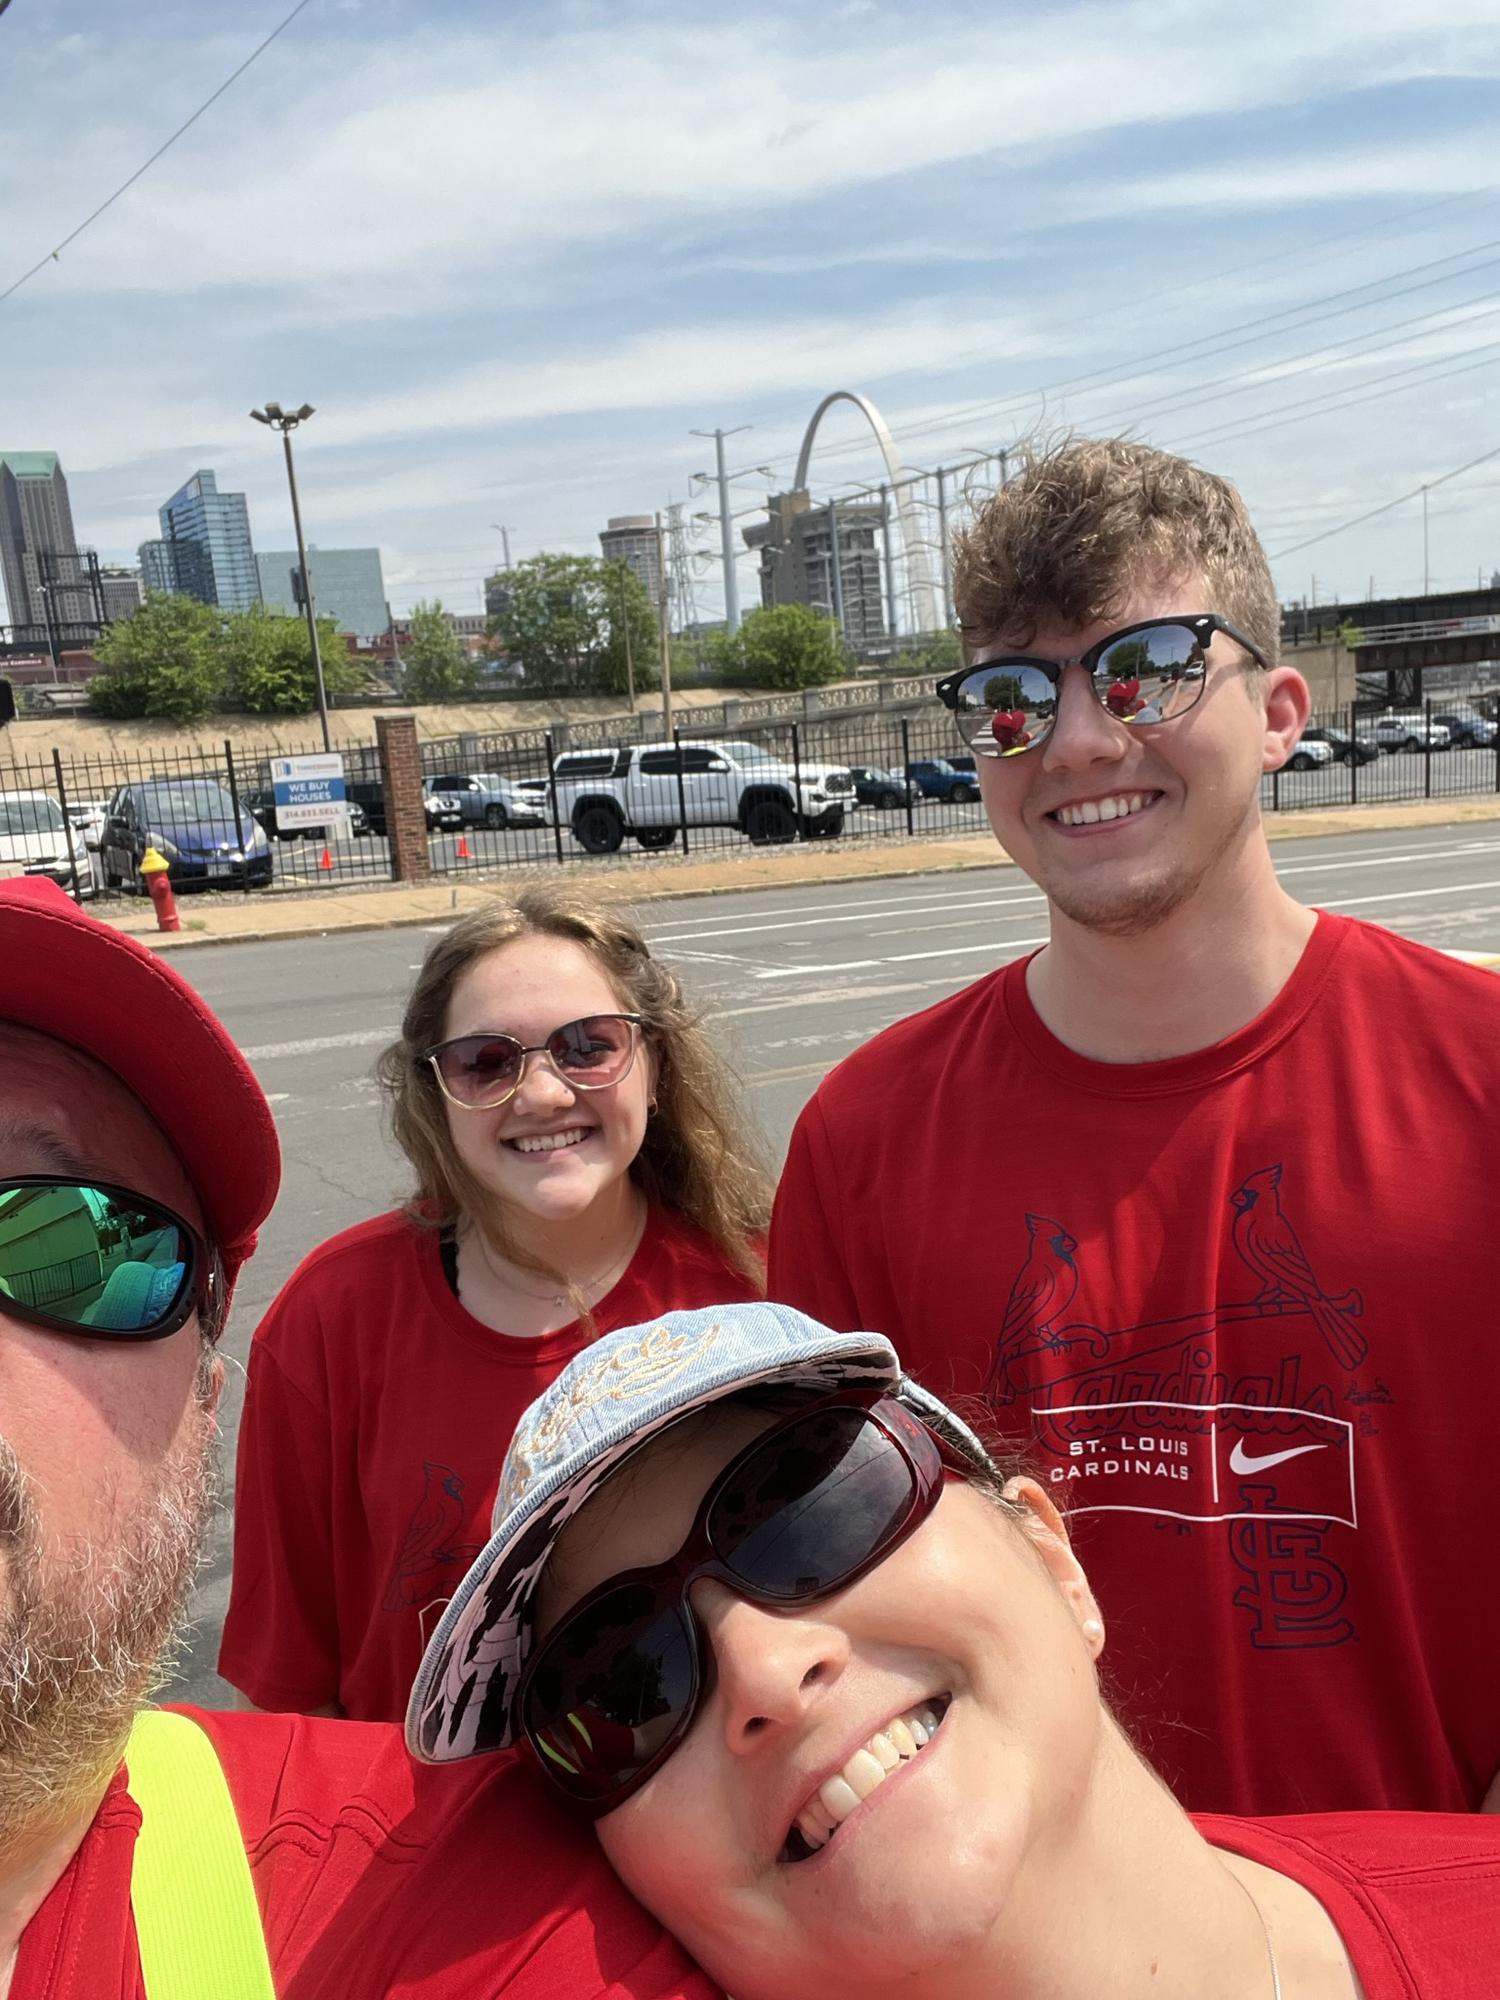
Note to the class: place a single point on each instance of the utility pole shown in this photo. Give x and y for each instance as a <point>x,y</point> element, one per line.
<point>663,634</point>
<point>504,534</point>
<point>890,568</point>
<point>286,421</point>
<point>726,527</point>
<point>625,622</point>
<point>836,567</point>
<point>942,497</point>
<point>1426,578</point>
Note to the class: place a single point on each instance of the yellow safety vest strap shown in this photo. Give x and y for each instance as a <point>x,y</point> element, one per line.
<point>196,1918</point>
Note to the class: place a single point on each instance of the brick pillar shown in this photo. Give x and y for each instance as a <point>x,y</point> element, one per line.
<point>401,775</point>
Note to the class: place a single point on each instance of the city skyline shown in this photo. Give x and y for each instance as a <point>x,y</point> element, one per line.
<point>1211,229</point>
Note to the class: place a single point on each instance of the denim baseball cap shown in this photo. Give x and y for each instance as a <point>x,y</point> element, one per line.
<point>629,1386</point>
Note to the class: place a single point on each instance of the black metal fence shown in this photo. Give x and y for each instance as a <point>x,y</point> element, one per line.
<point>89,820</point>
<point>597,794</point>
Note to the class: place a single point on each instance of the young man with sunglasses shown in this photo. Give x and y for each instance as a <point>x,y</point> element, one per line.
<point>138,1158</point>
<point>1192,1195</point>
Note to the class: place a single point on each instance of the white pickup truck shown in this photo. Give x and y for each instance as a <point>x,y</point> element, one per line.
<point>644,790</point>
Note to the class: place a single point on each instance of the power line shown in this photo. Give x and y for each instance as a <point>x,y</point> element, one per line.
<point>1360,519</point>
<point>1241,334</point>
<point>146,166</point>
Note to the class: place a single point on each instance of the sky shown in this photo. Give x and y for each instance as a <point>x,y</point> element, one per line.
<point>517,254</point>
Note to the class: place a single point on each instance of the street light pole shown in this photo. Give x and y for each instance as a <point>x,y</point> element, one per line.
<point>664,637</point>
<point>286,421</point>
<point>726,528</point>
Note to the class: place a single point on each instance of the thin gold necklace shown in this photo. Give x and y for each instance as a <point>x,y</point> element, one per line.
<point>1265,1930</point>
<point>555,1298</point>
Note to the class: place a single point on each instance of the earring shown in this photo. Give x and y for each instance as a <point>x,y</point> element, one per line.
<point>1093,1632</point>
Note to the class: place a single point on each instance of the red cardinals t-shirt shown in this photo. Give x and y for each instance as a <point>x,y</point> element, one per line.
<point>1414,1896</point>
<point>375,1877</point>
<point>376,1417</point>
<point>1243,1305</point>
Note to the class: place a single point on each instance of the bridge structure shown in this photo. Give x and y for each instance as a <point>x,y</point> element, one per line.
<point>1401,655</point>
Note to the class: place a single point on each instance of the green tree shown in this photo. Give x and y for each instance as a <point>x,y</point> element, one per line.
<point>629,617</point>
<point>437,665</point>
<point>268,662</point>
<point>939,653</point>
<point>564,619</point>
<point>790,646</point>
<point>166,661</point>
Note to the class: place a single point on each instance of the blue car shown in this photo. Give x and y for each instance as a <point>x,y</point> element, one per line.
<point>936,778</point>
<point>192,824</point>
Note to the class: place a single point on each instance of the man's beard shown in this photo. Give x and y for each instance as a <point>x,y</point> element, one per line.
<point>1143,905</point>
<point>88,1633</point>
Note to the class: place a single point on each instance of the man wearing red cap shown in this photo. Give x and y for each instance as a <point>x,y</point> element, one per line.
<point>138,1158</point>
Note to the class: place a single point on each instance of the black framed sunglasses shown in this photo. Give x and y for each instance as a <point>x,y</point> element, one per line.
<point>88,1258</point>
<point>479,1072</point>
<point>804,1511</point>
<point>1146,673</point>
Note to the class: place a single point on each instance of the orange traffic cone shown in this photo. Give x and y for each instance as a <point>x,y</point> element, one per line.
<point>461,852</point>
<point>326,864</point>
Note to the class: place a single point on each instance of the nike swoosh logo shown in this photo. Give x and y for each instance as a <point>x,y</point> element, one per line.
<point>1241,1460</point>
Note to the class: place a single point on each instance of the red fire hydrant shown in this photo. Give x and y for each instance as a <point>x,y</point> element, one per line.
<point>154,867</point>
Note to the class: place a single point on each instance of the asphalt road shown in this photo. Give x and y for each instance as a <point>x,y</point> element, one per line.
<point>794,978</point>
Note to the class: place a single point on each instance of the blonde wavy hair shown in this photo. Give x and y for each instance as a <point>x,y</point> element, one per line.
<point>698,1158</point>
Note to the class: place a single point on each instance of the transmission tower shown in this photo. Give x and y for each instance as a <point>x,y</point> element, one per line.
<point>680,570</point>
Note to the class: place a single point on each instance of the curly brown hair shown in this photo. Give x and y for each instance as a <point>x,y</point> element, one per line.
<point>698,1158</point>
<point>1087,521</point>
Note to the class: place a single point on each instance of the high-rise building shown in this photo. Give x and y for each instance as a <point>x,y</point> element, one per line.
<point>205,549</point>
<point>347,586</point>
<point>796,561</point>
<point>122,593</point>
<point>631,539</point>
<point>46,579</point>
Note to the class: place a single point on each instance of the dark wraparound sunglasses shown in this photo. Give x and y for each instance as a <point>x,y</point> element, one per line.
<point>87,1258</point>
<point>1142,674</point>
<point>479,1072</point>
<point>802,1512</point>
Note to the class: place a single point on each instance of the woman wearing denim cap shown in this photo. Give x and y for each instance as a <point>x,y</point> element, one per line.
<point>824,1673</point>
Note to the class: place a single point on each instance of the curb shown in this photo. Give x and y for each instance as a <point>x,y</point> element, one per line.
<point>652,883</point>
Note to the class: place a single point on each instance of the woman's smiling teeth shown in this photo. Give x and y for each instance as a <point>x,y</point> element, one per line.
<point>887,1751</point>
<point>549,1142</point>
<point>1088,812</point>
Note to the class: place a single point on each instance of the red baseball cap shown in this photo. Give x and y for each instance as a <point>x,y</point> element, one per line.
<point>67,975</point>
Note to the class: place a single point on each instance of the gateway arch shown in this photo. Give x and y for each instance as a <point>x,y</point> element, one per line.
<point>918,572</point>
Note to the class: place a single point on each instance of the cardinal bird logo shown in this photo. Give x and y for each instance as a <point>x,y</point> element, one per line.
<point>1272,1249</point>
<point>1040,1296</point>
<point>429,1555</point>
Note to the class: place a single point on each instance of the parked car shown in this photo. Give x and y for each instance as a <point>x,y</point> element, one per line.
<point>35,839</point>
<point>1468,729</point>
<point>1346,749</point>
<point>937,778</point>
<point>88,816</point>
<point>1396,731</point>
<point>874,786</point>
<point>644,790</point>
<point>369,796</point>
<point>191,823</point>
<point>263,805</point>
<point>486,798</point>
<point>1309,755</point>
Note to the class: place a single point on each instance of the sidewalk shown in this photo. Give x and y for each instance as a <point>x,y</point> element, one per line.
<point>222,919</point>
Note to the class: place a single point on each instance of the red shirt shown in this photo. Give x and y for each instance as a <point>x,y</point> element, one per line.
<point>375,1877</point>
<point>1414,1896</point>
<point>1244,1304</point>
<point>376,1417</point>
